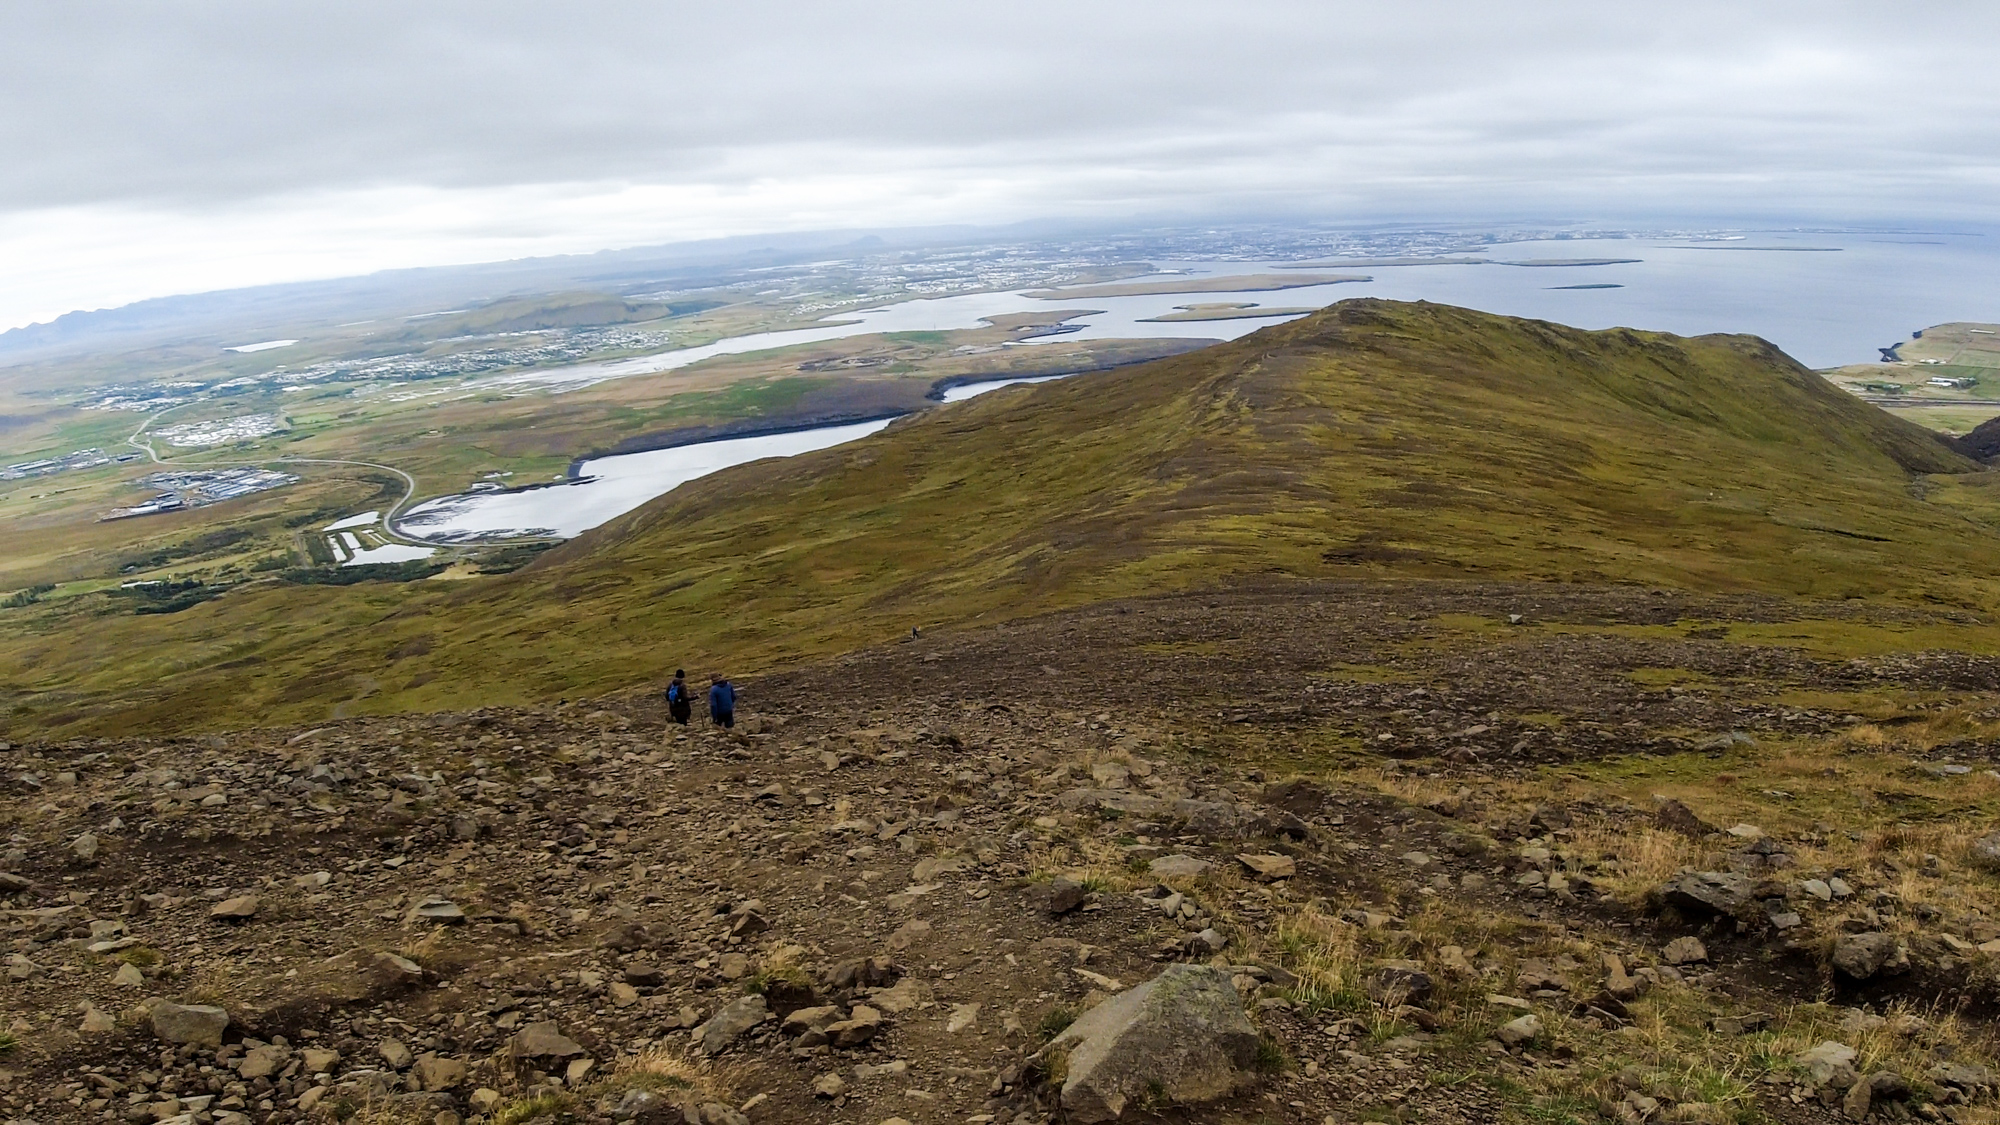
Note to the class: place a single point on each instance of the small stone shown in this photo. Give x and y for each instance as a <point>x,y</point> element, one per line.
<point>1985,852</point>
<point>1685,951</point>
<point>1519,1031</point>
<point>96,1022</point>
<point>638,1104</point>
<point>908,994</point>
<point>1066,895</point>
<point>962,1017</point>
<point>1270,866</point>
<point>1178,867</point>
<point>200,1024</point>
<point>1617,981</point>
<point>909,933</point>
<point>84,847</point>
<point>732,966</point>
<point>1673,816</point>
<point>627,937</point>
<point>1861,956</point>
<point>437,1073</point>
<point>237,909</point>
<point>438,912</point>
<point>623,995</point>
<point>1702,893</point>
<point>1818,889</point>
<point>861,1025</point>
<point>262,1062</point>
<point>725,1026</point>
<point>1400,983</point>
<point>318,1060</point>
<point>543,1041</point>
<point>578,1070</point>
<point>129,976</point>
<point>829,1086</point>
<point>395,1053</point>
<point>1826,1062</point>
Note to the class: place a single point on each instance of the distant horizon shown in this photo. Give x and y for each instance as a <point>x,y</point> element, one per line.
<point>1042,228</point>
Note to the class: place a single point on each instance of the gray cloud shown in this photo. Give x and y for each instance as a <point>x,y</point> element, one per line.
<point>529,112</point>
<point>218,102</point>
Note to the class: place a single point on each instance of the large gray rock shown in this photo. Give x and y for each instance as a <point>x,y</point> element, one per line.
<point>1181,1035</point>
<point>189,1023</point>
<point>725,1026</point>
<point>1863,955</point>
<point>1702,893</point>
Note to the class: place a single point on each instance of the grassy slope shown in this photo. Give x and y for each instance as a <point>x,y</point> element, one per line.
<point>1375,438</point>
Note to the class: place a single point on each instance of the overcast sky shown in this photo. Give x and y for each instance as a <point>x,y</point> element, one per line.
<point>164,147</point>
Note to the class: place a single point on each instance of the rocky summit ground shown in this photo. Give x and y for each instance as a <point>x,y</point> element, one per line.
<point>1387,852</point>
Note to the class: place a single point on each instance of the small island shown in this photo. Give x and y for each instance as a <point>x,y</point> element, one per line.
<point>1224,310</point>
<point>1242,283</point>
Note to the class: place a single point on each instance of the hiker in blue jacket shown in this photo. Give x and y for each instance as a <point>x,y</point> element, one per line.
<point>721,702</point>
<point>680,704</point>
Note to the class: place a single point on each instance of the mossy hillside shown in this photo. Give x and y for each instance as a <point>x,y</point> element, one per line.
<point>1374,439</point>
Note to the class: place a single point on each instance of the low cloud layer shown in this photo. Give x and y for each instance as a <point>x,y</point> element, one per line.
<point>167,148</point>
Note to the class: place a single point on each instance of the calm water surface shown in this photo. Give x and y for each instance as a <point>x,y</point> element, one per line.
<point>1826,299</point>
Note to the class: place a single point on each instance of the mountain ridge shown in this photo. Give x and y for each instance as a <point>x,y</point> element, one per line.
<point>1373,440</point>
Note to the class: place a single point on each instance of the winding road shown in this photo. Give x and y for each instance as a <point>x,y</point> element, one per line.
<point>137,441</point>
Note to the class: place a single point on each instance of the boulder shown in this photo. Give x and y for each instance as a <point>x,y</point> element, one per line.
<point>725,1026</point>
<point>1182,1036</point>
<point>1861,956</point>
<point>201,1024</point>
<point>1703,893</point>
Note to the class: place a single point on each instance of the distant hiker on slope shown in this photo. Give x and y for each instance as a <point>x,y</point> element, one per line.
<point>680,705</point>
<point>721,702</point>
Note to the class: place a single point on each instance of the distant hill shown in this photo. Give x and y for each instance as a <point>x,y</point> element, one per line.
<point>1373,439</point>
<point>271,311</point>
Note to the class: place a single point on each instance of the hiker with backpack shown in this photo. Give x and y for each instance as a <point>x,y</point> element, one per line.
<point>721,702</point>
<point>680,705</point>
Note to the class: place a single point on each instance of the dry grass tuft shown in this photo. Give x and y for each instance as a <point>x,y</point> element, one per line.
<point>674,1075</point>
